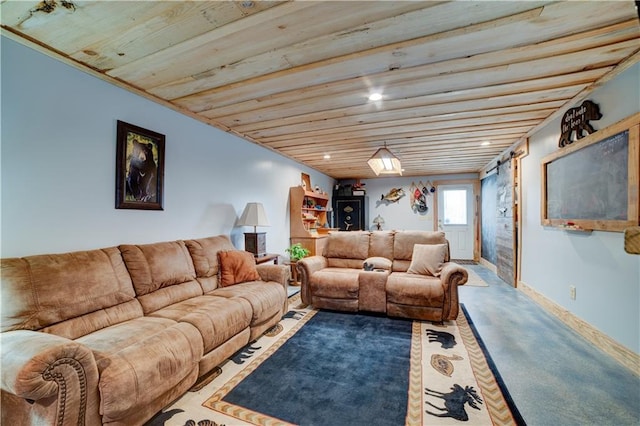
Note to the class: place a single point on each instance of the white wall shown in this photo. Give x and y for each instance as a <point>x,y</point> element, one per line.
<point>58,166</point>
<point>399,215</point>
<point>607,279</point>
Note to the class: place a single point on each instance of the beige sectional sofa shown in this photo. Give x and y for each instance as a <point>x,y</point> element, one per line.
<point>111,336</point>
<point>411,275</point>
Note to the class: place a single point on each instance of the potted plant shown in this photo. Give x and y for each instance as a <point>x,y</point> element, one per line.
<point>296,252</point>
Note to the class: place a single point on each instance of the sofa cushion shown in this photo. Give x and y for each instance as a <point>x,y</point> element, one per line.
<point>39,291</point>
<point>381,244</point>
<point>335,283</point>
<point>405,240</point>
<point>162,273</point>
<point>415,290</point>
<point>140,360</point>
<point>428,259</point>
<point>204,252</point>
<point>217,319</point>
<point>158,265</point>
<point>237,266</point>
<point>266,298</point>
<point>82,325</point>
<point>347,245</point>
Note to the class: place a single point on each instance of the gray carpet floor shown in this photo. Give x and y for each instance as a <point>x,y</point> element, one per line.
<point>554,375</point>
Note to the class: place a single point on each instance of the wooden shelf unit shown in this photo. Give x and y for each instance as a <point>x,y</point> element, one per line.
<point>307,212</point>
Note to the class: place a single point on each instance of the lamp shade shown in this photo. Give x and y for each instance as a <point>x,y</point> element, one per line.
<point>383,162</point>
<point>253,215</point>
<point>378,220</point>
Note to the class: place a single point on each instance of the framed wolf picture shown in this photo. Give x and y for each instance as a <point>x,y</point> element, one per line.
<point>139,168</point>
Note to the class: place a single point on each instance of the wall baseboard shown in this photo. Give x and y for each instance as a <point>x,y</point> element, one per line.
<point>620,353</point>
<point>490,266</point>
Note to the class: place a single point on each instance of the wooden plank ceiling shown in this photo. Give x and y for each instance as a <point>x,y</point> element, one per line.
<point>295,76</point>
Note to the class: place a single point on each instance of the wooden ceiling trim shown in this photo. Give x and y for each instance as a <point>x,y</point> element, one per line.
<point>243,115</point>
<point>347,171</point>
<point>413,144</point>
<point>356,123</point>
<point>373,143</point>
<point>403,107</point>
<point>412,52</point>
<point>470,149</point>
<point>192,54</point>
<point>462,132</point>
<point>453,82</point>
<point>289,23</point>
<point>576,79</point>
<point>552,50</point>
<point>422,141</point>
<point>65,29</point>
<point>338,43</point>
<point>151,30</point>
<point>500,33</point>
<point>321,121</point>
<point>460,158</point>
<point>399,141</point>
<point>426,144</point>
<point>360,164</point>
<point>425,125</point>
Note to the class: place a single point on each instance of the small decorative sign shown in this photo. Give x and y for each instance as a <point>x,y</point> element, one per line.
<point>577,120</point>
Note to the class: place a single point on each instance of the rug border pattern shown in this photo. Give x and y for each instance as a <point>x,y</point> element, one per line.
<point>492,393</point>
<point>414,403</point>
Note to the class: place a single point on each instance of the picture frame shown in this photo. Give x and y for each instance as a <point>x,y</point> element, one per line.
<point>139,168</point>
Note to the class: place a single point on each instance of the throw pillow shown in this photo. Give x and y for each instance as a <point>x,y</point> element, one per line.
<point>427,259</point>
<point>237,266</point>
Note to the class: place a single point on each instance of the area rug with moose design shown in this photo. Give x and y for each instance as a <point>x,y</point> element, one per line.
<point>335,368</point>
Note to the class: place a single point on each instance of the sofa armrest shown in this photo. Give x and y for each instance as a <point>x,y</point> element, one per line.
<point>43,368</point>
<point>277,273</point>
<point>451,277</point>
<point>306,267</point>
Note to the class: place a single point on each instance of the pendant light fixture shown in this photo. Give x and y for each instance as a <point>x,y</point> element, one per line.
<point>383,162</point>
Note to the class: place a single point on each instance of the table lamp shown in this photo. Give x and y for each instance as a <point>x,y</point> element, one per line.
<point>378,221</point>
<point>254,215</point>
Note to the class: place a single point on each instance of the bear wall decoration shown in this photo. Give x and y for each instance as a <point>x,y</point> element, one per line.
<point>577,120</point>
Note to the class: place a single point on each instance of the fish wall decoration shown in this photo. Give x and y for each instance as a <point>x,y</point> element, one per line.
<point>393,196</point>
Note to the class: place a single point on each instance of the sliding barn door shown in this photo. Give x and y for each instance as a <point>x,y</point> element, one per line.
<point>505,224</point>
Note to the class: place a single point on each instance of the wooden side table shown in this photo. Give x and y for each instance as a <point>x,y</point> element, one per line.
<point>294,272</point>
<point>269,257</point>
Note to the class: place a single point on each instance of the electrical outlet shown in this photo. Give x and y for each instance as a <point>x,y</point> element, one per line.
<point>572,292</point>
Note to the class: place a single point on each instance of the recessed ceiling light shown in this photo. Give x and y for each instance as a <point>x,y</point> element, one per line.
<point>327,157</point>
<point>485,143</point>
<point>375,96</point>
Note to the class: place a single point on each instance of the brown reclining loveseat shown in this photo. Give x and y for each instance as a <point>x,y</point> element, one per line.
<point>409,274</point>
